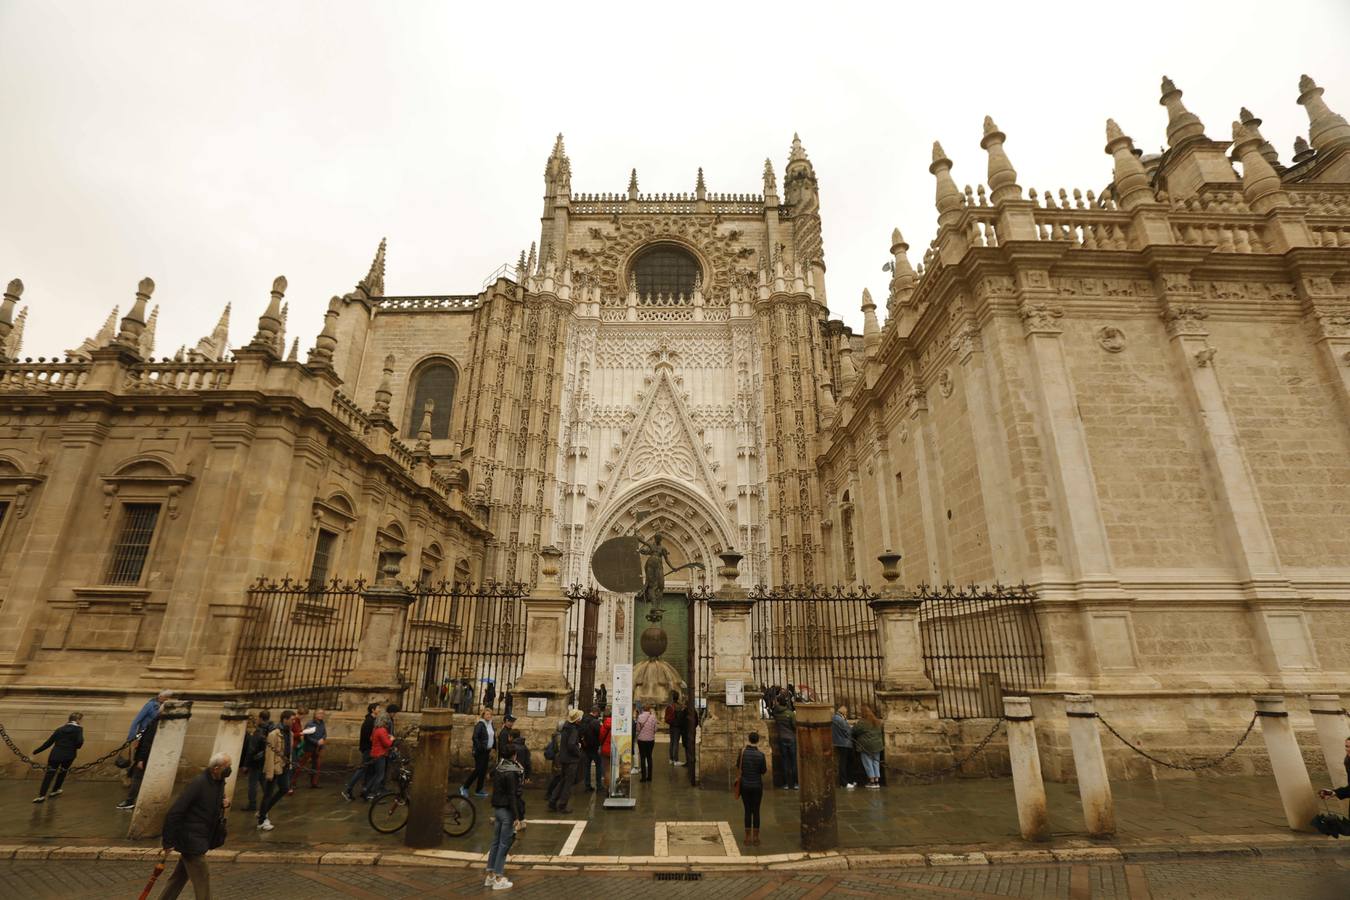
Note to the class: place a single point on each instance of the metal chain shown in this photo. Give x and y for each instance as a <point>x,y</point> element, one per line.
<point>948,770</point>
<point>1184,767</point>
<point>74,770</point>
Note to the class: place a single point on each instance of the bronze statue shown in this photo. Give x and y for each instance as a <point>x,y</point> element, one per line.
<point>654,569</point>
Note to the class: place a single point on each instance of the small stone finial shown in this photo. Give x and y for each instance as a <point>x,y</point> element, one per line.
<point>700,189</point>
<point>532,261</point>
<point>373,284</point>
<point>133,323</point>
<point>770,180</point>
<point>521,267</point>
<point>848,372</point>
<point>321,356</point>
<point>1302,152</point>
<point>1326,129</point>
<point>294,355</point>
<point>796,153</point>
<point>384,392</point>
<point>1002,176</point>
<point>903,276</point>
<point>146,345</point>
<point>212,347</point>
<point>1183,125</point>
<point>948,197</point>
<point>7,325</point>
<point>270,322</point>
<point>1253,124</point>
<point>424,430</point>
<point>14,289</point>
<point>632,185</point>
<point>1132,184</point>
<point>1260,182</point>
<point>871,328</point>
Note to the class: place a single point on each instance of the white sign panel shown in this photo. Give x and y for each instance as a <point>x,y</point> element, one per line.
<point>735,692</point>
<point>538,706</point>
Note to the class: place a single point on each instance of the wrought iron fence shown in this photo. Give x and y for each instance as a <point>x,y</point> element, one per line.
<point>463,646</point>
<point>700,614</point>
<point>979,643</point>
<point>300,641</point>
<point>821,640</point>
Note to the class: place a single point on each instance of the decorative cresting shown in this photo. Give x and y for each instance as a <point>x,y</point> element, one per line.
<point>723,256</point>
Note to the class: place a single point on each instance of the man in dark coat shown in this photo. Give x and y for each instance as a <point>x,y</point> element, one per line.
<point>590,748</point>
<point>373,712</point>
<point>139,759</point>
<point>195,824</point>
<point>65,742</point>
<point>569,760</point>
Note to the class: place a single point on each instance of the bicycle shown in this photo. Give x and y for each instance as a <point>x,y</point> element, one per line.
<point>389,811</point>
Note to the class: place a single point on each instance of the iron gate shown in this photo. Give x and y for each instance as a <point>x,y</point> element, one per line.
<point>978,645</point>
<point>821,640</point>
<point>583,620</point>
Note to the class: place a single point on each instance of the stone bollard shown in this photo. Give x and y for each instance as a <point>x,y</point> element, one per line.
<point>432,764</point>
<point>815,774</point>
<point>1332,729</point>
<point>1094,788</point>
<point>161,770</point>
<point>1025,760</point>
<point>1286,763</point>
<point>230,739</point>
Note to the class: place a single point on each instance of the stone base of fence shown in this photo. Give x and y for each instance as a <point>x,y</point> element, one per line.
<point>723,734</point>
<point>916,740</point>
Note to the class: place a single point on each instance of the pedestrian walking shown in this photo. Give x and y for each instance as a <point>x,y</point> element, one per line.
<point>312,740</point>
<point>139,758</point>
<point>675,716</point>
<point>195,824</point>
<point>841,736</point>
<point>373,713</point>
<point>65,742</point>
<point>645,734</point>
<point>381,741</point>
<point>255,758</point>
<point>511,736</point>
<point>484,739</point>
<point>148,713</point>
<point>785,721</point>
<point>606,732</point>
<point>569,760</point>
<point>590,748</point>
<point>751,768</point>
<point>869,738</point>
<point>297,736</point>
<point>508,815</point>
<point>276,768</point>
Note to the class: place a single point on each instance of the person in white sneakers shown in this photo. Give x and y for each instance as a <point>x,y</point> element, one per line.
<point>508,814</point>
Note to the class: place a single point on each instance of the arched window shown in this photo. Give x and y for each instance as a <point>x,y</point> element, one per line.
<point>665,270</point>
<point>434,381</point>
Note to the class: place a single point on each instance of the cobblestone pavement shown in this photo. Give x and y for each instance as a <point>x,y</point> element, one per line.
<point>1313,878</point>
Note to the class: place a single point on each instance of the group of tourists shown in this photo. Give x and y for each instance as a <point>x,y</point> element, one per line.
<point>857,743</point>
<point>274,754</point>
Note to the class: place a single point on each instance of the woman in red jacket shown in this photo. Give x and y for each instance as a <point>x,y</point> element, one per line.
<point>605,727</point>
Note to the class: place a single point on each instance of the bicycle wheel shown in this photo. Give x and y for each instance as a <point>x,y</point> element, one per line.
<point>458,817</point>
<point>388,814</point>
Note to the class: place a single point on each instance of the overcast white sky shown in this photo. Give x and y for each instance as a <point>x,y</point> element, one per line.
<point>214,148</point>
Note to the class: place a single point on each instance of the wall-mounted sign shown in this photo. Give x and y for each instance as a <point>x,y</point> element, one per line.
<point>537,706</point>
<point>735,692</point>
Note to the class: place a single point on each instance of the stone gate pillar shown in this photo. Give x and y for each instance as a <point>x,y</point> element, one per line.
<point>543,673</point>
<point>1329,717</point>
<point>725,727</point>
<point>915,739</point>
<point>375,677</point>
<point>230,738</point>
<point>161,770</point>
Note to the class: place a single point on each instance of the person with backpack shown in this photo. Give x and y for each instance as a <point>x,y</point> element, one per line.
<point>373,712</point>
<point>785,721</point>
<point>508,815</point>
<point>750,770</point>
<point>569,760</point>
<point>869,737</point>
<point>484,739</point>
<point>276,768</point>
<point>65,742</point>
<point>675,716</point>
<point>645,734</point>
<point>590,747</point>
<point>255,757</point>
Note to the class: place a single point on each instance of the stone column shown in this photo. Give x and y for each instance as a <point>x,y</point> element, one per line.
<point>1286,763</point>
<point>725,727</point>
<point>156,793</point>
<point>1025,759</point>
<point>229,738</point>
<point>915,739</point>
<point>432,764</point>
<point>1094,788</point>
<point>816,774</point>
<point>375,675</point>
<point>1332,729</point>
<point>543,673</point>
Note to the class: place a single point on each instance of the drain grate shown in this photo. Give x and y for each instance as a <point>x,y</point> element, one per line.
<point>677,876</point>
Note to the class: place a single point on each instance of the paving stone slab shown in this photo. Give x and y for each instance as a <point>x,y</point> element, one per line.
<point>886,860</point>
<point>341,858</point>
<point>75,853</point>
<point>278,856</point>
<point>1087,854</point>
<point>997,857</point>
<point>958,859</point>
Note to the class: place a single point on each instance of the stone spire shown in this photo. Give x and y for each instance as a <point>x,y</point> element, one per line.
<point>1182,125</point>
<point>632,185</point>
<point>133,323</point>
<point>1260,182</point>
<point>532,261</point>
<point>424,431</point>
<point>1132,186</point>
<point>949,201</point>
<point>903,277</point>
<point>770,180</point>
<point>1302,152</point>
<point>1002,176</point>
<point>558,171</point>
<point>871,329</point>
<point>848,372</point>
<point>146,345</point>
<point>1325,129</point>
<point>1254,126</point>
<point>281,333</point>
<point>700,189</point>
<point>373,283</point>
<point>7,325</point>
<point>321,356</point>
<point>796,153</point>
<point>269,323</point>
<point>294,355</point>
<point>379,411</point>
<point>13,342</point>
<point>214,345</point>
<point>102,338</point>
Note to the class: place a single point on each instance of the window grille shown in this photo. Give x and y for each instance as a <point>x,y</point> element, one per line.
<point>323,558</point>
<point>4,510</point>
<point>435,382</point>
<point>133,543</point>
<point>665,271</point>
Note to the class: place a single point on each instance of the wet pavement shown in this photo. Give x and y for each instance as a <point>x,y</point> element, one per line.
<point>956,813</point>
